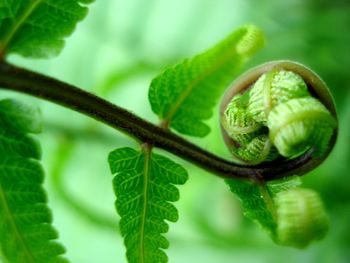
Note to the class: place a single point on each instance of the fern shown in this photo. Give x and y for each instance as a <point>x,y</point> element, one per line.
<point>257,202</point>
<point>184,95</point>
<point>26,234</point>
<point>19,116</point>
<point>293,216</point>
<point>144,186</point>
<point>37,28</point>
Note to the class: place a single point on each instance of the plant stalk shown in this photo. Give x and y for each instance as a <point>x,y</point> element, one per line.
<point>50,89</point>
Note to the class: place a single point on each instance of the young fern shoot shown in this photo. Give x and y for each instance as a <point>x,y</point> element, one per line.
<point>270,120</point>
<point>278,121</point>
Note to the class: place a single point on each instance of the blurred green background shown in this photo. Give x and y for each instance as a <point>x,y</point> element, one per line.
<point>115,53</point>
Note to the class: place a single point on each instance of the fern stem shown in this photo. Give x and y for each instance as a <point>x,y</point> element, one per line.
<point>265,194</point>
<point>147,149</point>
<point>47,88</point>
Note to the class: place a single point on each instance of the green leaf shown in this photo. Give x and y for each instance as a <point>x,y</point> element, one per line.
<point>37,28</point>
<point>26,233</point>
<point>293,216</point>
<point>20,116</point>
<point>16,143</point>
<point>184,95</point>
<point>144,186</point>
<point>257,200</point>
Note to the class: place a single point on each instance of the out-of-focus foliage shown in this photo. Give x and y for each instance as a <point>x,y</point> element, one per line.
<point>116,52</point>
<point>37,28</point>
<point>26,233</point>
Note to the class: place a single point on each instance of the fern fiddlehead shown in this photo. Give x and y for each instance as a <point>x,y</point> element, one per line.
<point>255,145</point>
<point>278,112</point>
<point>280,105</point>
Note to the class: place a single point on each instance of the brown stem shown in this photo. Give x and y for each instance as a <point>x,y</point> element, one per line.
<point>38,85</point>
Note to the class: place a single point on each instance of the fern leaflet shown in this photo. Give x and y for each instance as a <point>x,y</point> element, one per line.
<point>144,186</point>
<point>183,95</point>
<point>293,216</point>
<point>26,234</point>
<point>37,28</point>
<point>257,200</point>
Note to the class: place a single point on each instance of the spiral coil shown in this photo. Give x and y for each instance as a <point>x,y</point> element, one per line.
<point>277,112</point>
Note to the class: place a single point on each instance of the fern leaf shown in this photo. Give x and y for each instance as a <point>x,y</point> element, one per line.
<point>26,234</point>
<point>37,28</point>
<point>292,215</point>
<point>144,186</point>
<point>184,95</point>
<point>19,116</point>
<point>257,200</point>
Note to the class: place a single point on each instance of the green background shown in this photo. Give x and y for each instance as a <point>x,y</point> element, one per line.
<point>115,53</point>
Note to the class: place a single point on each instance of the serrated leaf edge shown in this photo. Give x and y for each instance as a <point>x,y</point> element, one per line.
<point>172,111</point>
